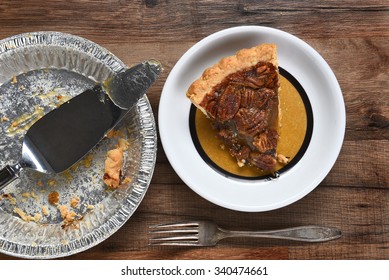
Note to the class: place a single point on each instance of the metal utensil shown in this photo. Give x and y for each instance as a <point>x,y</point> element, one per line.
<point>65,135</point>
<point>207,233</point>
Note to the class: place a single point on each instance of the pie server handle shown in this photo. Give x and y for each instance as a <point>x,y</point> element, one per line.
<point>8,174</point>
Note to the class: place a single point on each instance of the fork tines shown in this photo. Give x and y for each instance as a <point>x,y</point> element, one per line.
<point>177,234</point>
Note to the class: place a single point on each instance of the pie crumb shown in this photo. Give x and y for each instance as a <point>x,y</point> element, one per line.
<point>114,133</point>
<point>282,159</point>
<point>113,164</point>
<point>21,214</point>
<point>37,217</point>
<point>51,182</point>
<point>74,201</point>
<point>45,210</point>
<point>127,180</point>
<point>34,196</point>
<point>26,194</point>
<point>123,144</point>
<point>63,209</point>
<point>113,168</point>
<point>12,200</point>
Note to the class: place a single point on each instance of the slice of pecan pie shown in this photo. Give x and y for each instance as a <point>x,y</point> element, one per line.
<point>240,95</point>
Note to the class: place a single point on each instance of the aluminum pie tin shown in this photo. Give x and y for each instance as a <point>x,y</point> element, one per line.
<point>38,71</point>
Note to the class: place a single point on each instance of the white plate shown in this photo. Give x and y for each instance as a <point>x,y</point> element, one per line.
<point>325,96</point>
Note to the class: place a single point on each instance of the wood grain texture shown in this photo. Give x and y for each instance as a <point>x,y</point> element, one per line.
<point>352,36</point>
<point>192,20</point>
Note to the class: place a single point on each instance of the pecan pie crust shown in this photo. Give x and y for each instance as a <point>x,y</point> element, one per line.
<point>240,95</point>
<point>242,59</point>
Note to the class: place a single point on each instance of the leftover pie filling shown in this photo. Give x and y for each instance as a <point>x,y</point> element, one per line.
<point>113,165</point>
<point>243,104</point>
<point>113,168</point>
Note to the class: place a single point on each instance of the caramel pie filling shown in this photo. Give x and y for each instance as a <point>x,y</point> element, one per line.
<point>244,111</point>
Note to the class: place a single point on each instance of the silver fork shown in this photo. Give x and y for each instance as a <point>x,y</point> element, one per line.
<point>207,233</point>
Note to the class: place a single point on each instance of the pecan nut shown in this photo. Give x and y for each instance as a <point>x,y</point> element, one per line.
<point>256,98</point>
<point>241,154</point>
<point>266,141</point>
<point>251,121</point>
<point>262,161</point>
<point>228,104</point>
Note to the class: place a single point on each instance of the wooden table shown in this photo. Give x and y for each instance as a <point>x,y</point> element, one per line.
<point>353,37</point>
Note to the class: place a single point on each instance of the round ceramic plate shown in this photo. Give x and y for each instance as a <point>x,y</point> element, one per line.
<point>325,97</point>
<point>38,72</point>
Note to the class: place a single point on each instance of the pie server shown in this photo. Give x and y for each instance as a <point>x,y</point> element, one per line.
<point>63,136</point>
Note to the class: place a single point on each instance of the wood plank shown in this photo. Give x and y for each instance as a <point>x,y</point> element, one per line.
<point>172,253</point>
<point>338,205</point>
<point>361,164</point>
<point>347,5</point>
<point>192,20</point>
<point>343,252</point>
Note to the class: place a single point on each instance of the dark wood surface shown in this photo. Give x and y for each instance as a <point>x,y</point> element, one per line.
<point>352,36</point>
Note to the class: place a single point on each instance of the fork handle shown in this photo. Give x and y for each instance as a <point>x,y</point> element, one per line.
<point>302,233</point>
